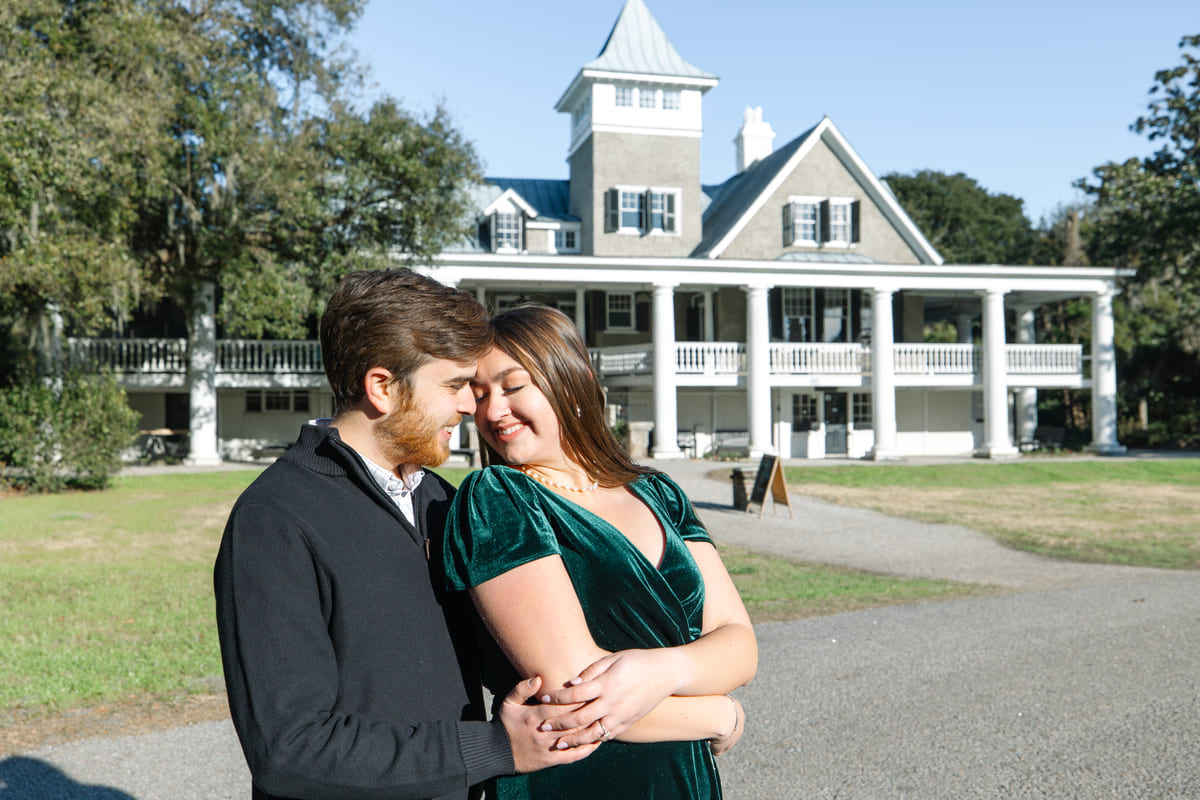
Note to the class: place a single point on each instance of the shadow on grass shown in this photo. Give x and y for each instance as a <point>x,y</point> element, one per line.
<point>23,778</point>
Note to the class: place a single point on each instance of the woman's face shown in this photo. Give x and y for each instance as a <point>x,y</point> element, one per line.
<point>512,414</point>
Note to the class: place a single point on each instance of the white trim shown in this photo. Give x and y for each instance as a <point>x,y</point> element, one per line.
<point>879,194</point>
<point>510,196</point>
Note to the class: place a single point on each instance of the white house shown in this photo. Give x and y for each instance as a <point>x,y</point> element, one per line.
<point>783,310</point>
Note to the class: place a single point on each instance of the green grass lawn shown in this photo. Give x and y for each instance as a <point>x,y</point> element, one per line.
<point>107,596</point>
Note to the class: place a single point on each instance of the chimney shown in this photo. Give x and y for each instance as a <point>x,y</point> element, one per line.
<point>755,140</point>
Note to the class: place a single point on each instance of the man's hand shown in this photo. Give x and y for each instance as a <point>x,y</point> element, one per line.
<point>615,691</point>
<point>533,748</point>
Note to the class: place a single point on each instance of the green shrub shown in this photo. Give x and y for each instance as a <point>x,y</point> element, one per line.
<point>65,436</point>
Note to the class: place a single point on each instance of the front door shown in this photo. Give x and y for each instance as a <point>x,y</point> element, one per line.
<point>835,423</point>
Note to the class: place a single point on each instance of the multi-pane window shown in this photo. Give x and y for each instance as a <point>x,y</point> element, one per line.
<point>642,210</point>
<point>836,315</point>
<point>839,222</point>
<point>632,206</point>
<point>670,99</point>
<point>797,314</point>
<point>566,241</point>
<point>276,400</point>
<point>662,211</point>
<point>625,96</point>
<point>619,311</point>
<point>508,232</point>
<point>820,221</point>
<point>647,98</point>
<point>804,222</point>
<point>860,403</point>
<point>804,412</point>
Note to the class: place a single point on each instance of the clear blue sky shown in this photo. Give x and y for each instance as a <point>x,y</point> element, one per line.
<point>1024,97</point>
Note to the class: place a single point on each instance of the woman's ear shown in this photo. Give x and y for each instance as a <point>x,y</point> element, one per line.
<point>378,389</point>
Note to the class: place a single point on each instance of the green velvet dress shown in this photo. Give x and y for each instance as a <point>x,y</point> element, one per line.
<point>502,519</point>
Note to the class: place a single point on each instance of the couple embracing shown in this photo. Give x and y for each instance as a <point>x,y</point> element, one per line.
<point>362,602</point>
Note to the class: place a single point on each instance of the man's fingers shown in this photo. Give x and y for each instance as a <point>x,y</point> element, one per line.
<point>523,691</point>
<point>571,695</point>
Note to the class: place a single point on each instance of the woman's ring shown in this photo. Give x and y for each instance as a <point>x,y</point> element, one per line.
<point>606,735</point>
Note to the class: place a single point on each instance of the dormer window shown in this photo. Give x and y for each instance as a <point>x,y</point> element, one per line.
<point>566,240</point>
<point>506,232</point>
<point>820,222</point>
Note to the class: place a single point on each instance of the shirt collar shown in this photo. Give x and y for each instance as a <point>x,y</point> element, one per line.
<point>389,483</point>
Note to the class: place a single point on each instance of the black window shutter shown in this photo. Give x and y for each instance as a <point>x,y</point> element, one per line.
<point>641,308</point>
<point>789,215</point>
<point>612,210</point>
<point>854,221</point>
<point>644,213</point>
<point>823,221</point>
<point>775,311</point>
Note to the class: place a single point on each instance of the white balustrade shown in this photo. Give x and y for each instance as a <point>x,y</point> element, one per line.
<point>149,356</point>
<point>254,355</point>
<point>935,359</point>
<point>1045,359</point>
<point>825,359</point>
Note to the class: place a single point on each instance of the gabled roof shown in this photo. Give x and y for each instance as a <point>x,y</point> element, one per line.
<point>546,199</point>
<point>638,45</point>
<point>735,202</point>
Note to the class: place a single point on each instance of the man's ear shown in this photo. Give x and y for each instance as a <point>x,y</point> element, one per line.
<point>378,389</point>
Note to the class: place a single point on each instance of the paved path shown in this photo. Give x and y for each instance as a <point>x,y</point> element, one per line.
<point>1084,683</point>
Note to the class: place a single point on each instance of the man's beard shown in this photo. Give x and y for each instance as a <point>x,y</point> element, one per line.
<point>408,435</point>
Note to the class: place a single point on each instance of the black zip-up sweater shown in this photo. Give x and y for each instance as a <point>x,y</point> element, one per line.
<point>342,675</point>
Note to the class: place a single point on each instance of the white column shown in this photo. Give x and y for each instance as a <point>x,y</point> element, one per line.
<point>202,378</point>
<point>1026,405</point>
<point>666,425</point>
<point>481,295</point>
<point>1104,378</point>
<point>883,375</point>
<point>997,443</point>
<point>758,370</point>
<point>709,335</point>
<point>581,312</point>
<point>962,325</point>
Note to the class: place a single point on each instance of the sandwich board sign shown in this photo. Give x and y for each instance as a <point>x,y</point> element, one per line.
<point>769,476</point>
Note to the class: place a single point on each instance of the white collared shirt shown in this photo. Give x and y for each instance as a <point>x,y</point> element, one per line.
<point>399,489</point>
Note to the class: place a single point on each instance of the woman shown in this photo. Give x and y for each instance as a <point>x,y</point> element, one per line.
<point>576,556</point>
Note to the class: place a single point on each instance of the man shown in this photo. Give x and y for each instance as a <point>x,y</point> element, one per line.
<point>346,673</point>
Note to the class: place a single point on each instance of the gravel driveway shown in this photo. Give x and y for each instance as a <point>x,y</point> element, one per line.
<point>1084,682</point>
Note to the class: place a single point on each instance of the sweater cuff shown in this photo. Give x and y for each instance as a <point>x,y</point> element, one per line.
<point>486,750</point>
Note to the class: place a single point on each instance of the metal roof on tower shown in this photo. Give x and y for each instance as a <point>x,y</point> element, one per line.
<point>638,45</point>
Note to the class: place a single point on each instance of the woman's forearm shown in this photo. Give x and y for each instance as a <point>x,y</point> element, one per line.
<point>686,719</point>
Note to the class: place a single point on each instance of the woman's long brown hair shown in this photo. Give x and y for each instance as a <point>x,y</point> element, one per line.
<point>545,343</point>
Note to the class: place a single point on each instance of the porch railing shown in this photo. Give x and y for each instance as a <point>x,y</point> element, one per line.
<point>1045,359</point>
<point>169,356</point>
<point>934,359</point>
<point>823,359</point>
<point>149,356</point>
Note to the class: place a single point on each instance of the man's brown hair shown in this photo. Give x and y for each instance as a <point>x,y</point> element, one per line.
<point>545,343</point>
<point>398,320</point>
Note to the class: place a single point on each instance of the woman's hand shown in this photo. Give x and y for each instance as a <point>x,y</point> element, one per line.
<point>616,691</point>
<point>723,743</point>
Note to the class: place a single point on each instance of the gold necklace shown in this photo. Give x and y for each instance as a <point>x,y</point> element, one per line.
<point>562,486</point>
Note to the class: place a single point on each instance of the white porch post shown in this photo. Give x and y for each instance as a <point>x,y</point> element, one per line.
<point>883,375</point>
<point>666,426</point>
<point>481,295</point>
<point>995,380</point>
<point>1104,378</point>
<point>708,316</point>
<point>581,312</point>
<point>202,378</point>
<point>758,370</point>
<point>1026,411</point>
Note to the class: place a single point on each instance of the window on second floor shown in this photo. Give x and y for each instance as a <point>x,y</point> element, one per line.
<point>625,96</point>
<point>670,99</point>
<point>652,210</point>
<point>647,98</point>
<point>619,311</point>
<point>826,222</point>
<point>566,241</point>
